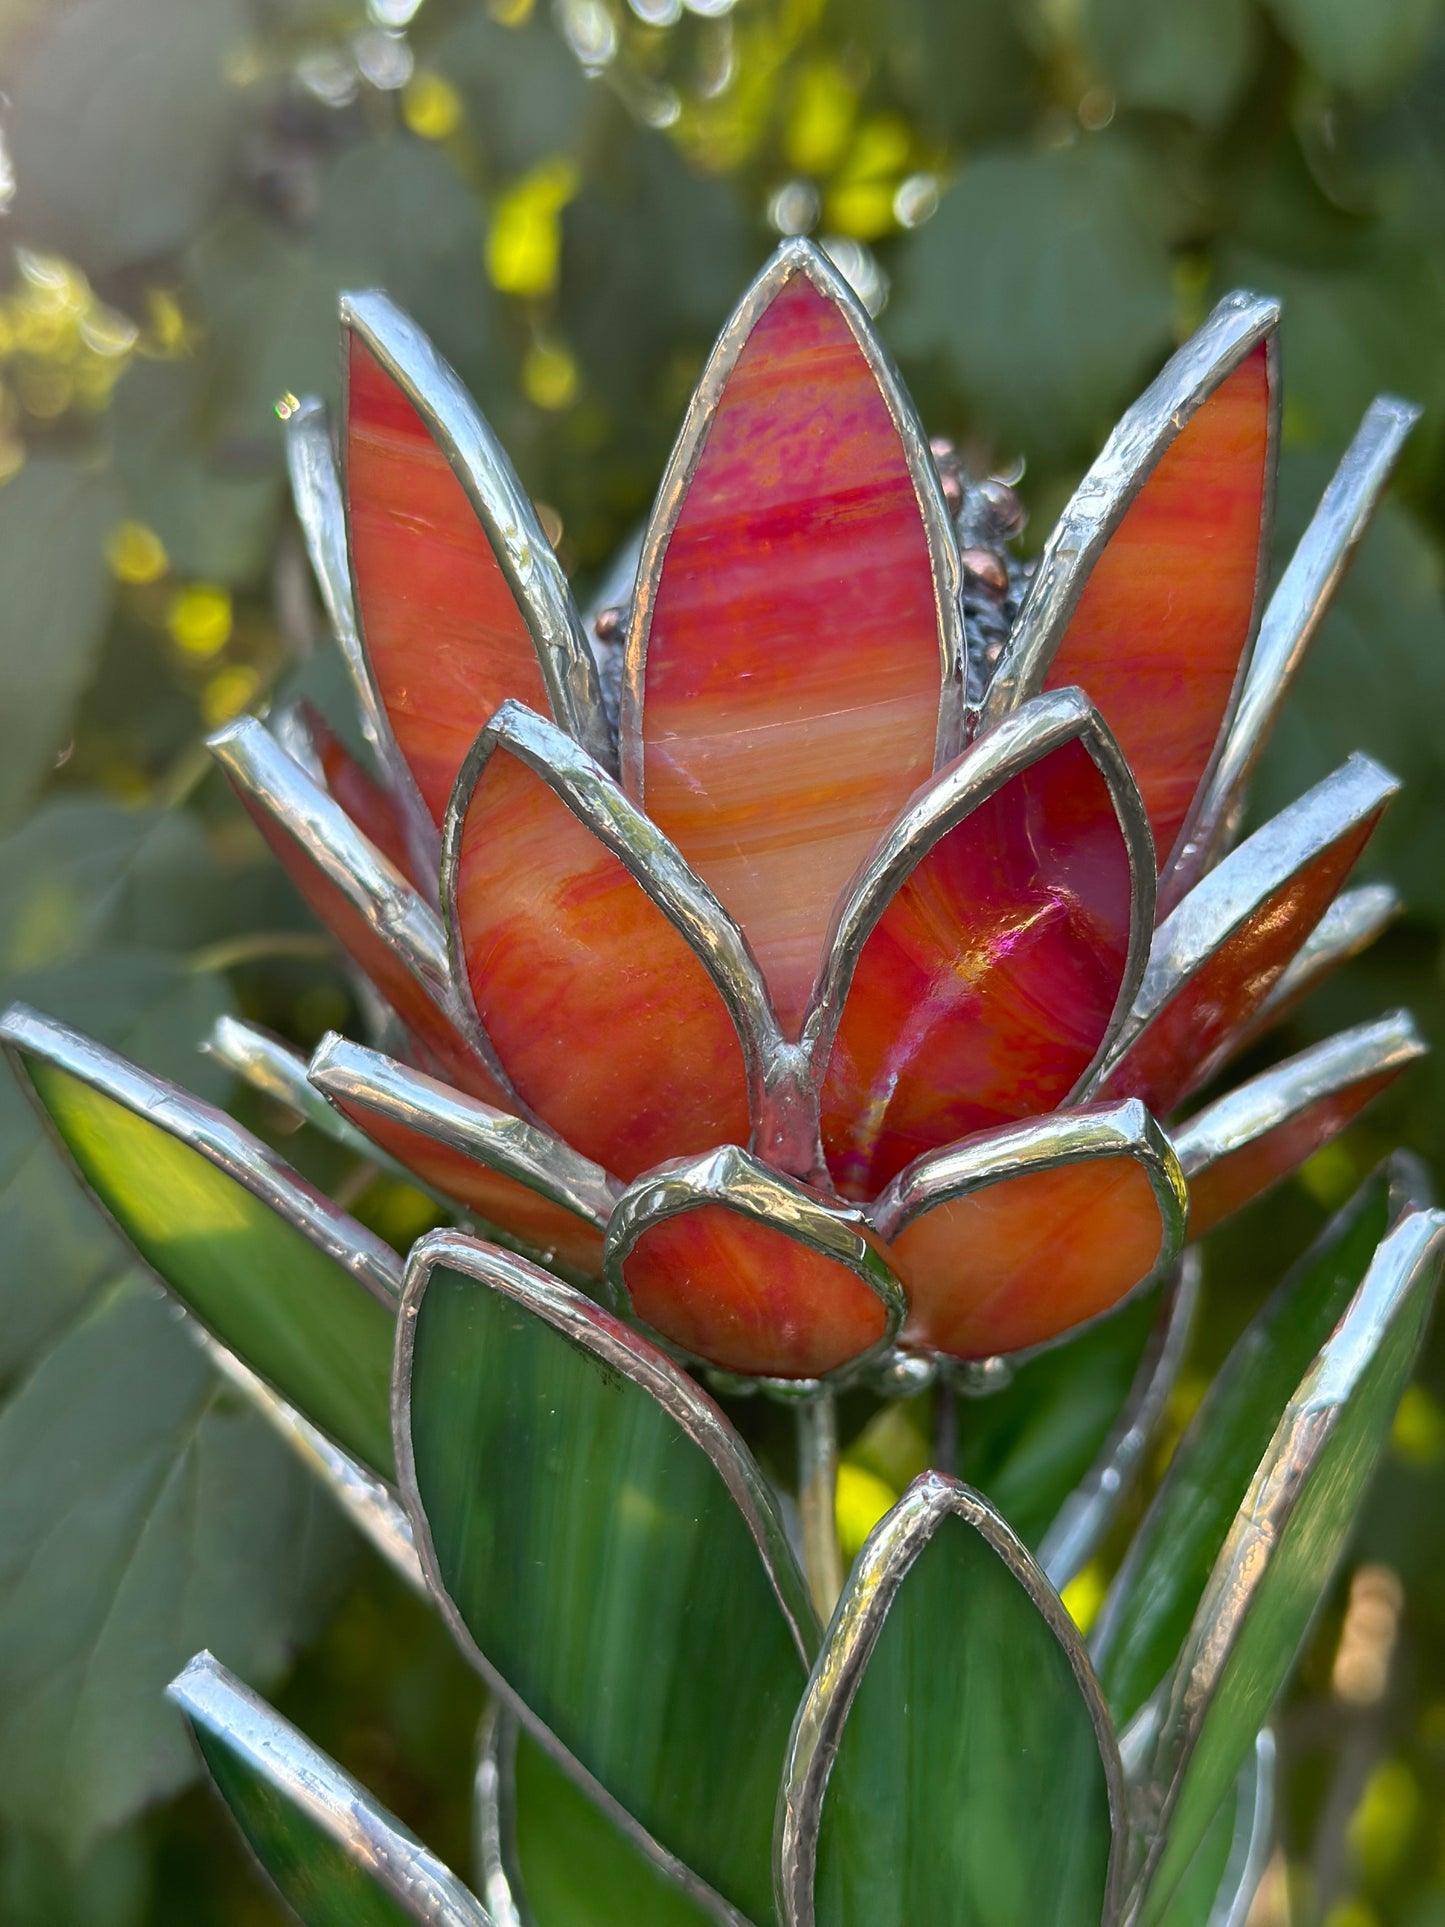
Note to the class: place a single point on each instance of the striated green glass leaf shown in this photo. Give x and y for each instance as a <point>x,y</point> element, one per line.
<point>1220,1881</point>
<point>1285,1542</point>
<point>336,1856</point>
<point>1153,1599</point>
<point>316,1328</point>
<point>606,1540</point>
<point>952,1762</point>
<point>570,1866</point>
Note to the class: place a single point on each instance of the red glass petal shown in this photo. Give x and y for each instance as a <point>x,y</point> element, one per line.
<point>441,1044</point>
<point>371,808</point>
<point>745,1296</point>
<point>1029,1258</point>
<point>1190,1037</point>
<point>446,639</point>
<point>512,1207</point>
<point>987,987</point>
<point>792,663</point>
<point>1157,637</point>
<point>602,1016</point>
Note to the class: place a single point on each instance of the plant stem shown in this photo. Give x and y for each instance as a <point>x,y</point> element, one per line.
<point>817,1500</point>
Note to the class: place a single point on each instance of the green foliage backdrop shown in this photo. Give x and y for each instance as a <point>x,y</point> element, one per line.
<point>1040,196</point>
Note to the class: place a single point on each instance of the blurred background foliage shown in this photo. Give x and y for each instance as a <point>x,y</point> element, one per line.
<point>1037,197</point>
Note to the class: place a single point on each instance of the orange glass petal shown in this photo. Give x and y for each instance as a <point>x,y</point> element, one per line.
<point>793,671</point>
<point>1188,1039</point>
<point>749,1298</point>
<point>987,986</point>
<point>446,639</point>
<point>1028,1258</point>
<point>1157,637</point>
<point>603,1018</point>
<point>1241,1176</point>
<point>370,807</point>
<point>512,1207</point>
<point>440,1043</point>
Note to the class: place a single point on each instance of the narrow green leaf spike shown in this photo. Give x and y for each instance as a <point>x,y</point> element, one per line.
<point>1223,1877</point>
<point>550,1857</point>
<point>1283,1547</point>
<point>296,1289</point>
<point>952,1761</point>
<point>335,1855</point>
<point>1153,1598</point>
<point>606,1549</point>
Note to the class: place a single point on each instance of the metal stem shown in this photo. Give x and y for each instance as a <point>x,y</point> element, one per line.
<point>817,1500</point>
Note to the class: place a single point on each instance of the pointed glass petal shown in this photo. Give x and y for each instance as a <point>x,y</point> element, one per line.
<point>333,1852</point>
<point>371,808</point>
<point>1013,1237</point>
<point>616,991</point>
<point>1150,1604</point>
<point>516,1176</point>
<point>1239,1147</point>
<point>750,1270</point>
<point>1284,1544</point>
<point>1217,957</point>
<point>985,953</point>
<point>1147,590</point>
<point>1288,626</point>
<point>299,1291</point>
<point>560,1859</point>
<point>652,1619</point>
<point>952,1761</point>
<point>366,903</point>
<point>1351,924</point>
<point>793,662</point>
<point>267,1064</point>
<point>462,601</point>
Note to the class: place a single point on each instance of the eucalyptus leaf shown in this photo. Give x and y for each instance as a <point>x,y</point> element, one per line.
<point>650,1614</point>
<point>55,590</point>
<point>336,1856</point>
<point>142,1508</point>
<point>1152,1601</point>
<point>1192,57</point>
<point>952,1761</point>
<point>1365,49</point>
<point>1285,1542</point>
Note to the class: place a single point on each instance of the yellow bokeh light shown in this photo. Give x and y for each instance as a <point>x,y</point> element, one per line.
<point>549,375</point>
<point>824,104</point>
<point>1383,1824</point>
<point>1084,1595</point>
<point>135,553</point>
<point>861,1501</point>
<point>227,694</point>
<point>1418,1434</point>
<point>524,244</point>
<point>431,107</point>
<point>199,619</point>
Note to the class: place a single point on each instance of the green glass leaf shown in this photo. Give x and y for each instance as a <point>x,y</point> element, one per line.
<point>1285,1542</point>
<point>952,1761</point>
<point>1153,1599</point>
<point>1031,1446</point>
<point>1220,1883</point>
<point>603,1536</point>
<point>296,1289</point>
<point>564,1862</point>
<point>336,1856</point>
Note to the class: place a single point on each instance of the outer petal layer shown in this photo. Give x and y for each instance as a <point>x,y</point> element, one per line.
<point>992,976</point>
<point>1017,1236</point>
<point>1146,594</point>
<point>1241,1146</point>
<point>462,602</point>
<point>1218,956</point>
<point>751,1271</point>
<point>605,1018</point>
<point>795,626</point>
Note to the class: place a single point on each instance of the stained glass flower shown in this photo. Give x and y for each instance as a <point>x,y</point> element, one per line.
<point>823,969</point>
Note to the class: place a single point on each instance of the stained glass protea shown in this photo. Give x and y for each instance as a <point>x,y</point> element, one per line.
<point>850,1009</point>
